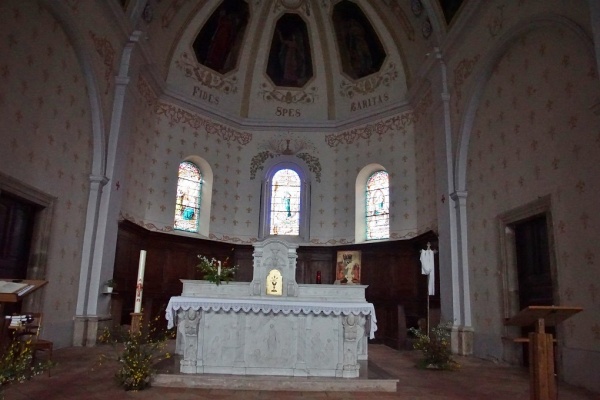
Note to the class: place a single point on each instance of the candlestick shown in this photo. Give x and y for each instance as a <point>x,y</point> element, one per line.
<point>140,282</point>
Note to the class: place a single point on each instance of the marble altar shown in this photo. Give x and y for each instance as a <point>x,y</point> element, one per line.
<point>272,325</point>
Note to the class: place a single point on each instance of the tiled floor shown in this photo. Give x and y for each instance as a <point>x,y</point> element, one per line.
<point>78,376</point>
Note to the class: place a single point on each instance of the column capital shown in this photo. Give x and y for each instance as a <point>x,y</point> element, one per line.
<point>459,195</point>
<point>99,179</point>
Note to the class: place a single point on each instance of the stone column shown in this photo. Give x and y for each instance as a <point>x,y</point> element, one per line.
<point>452,221</point>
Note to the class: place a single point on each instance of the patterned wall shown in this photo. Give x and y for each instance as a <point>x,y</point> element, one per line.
<point>425,164</point>
<point>46,140</point>
<point>389,142</point>
<point>164,134</point>
<point>535,135</point>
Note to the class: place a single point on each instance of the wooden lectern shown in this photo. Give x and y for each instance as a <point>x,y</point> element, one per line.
<point>14,290</point>
<point>541,346</point>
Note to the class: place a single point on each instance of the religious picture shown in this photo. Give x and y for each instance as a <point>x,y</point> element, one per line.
<point>285,203</point>
<point>360,49</point>
<point>217,46</point>
<point>189,190</point>
<point>348,267</point>
<point>290,62</point>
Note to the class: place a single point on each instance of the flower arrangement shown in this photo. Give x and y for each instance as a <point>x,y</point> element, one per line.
<point>216,271</point>
<point>17,364</point>
<point>435,347</point>
<point>136,353</point>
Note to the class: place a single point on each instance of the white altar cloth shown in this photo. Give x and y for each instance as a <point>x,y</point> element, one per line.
<point>267,306</point>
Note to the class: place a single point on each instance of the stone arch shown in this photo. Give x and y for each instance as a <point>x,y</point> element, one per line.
<point>481,77</point>
<point>68,24</point>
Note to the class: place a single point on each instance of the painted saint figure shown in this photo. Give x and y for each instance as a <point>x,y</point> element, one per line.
<point>287,199</point>
<point>221,41</point>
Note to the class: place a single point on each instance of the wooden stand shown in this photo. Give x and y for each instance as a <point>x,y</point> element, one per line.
<point>15,296</point>
<point>541,346</point>
<point>31,285</point>
<point>136,321</point>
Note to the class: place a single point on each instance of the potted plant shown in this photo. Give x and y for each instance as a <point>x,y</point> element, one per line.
<point>109,286</point>
<point>216,271</point>
<point>435,347</point>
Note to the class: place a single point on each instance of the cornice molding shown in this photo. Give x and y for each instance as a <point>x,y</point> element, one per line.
<point>173,97</point>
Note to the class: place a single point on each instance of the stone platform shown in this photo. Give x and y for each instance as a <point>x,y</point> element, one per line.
<point>371,379</point>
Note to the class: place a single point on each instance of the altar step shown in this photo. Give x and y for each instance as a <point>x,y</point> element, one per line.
<point>372,379</point>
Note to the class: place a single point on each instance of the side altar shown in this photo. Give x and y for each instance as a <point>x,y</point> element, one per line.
<point>272,325</point>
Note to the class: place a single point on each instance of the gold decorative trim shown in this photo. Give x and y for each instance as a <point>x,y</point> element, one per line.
<point>370,84</point>
<point>398,122</point>
<point>300,5</point>
<point>149,226</point>
<point>205,76</point>
<point>179,115</point>
<point>106,50</point>
<point>463,70</point>
<point>287,96</point>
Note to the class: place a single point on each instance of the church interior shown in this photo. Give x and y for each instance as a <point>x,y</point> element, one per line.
<point>467,128</point>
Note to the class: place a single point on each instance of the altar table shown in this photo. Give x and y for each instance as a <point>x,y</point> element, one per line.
<point>258,336</point>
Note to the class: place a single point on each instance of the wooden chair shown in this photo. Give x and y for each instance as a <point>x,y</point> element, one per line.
<point>32,332</point>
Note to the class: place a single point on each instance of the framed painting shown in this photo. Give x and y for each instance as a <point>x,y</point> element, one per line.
<point>217,46</point>
<point>348,267</point>
<point>290,60</point>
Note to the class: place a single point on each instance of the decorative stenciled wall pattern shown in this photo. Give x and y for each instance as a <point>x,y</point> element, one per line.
<point>425,163</point>
<point>106,51</point>
<point>205,76</point>
<point>535,135</point>
<point>366,86</point>
<point>398,122</point>
<point>163,136</point>
<point>389,142</point>
<point>287,145</point>
<point>139,161</point>
<point>47,138</point>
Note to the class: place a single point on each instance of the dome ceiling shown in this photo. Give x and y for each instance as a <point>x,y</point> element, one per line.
<point>278,63</point>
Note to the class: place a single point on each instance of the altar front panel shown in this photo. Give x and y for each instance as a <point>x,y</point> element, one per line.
<point>259,344</point>
<point>235,341</point>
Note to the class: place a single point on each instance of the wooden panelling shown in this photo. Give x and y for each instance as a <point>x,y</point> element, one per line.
<point>391,270</point>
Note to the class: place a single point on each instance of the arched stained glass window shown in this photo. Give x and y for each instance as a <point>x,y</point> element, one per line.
<point>285,203</point>
<point>378,206</point>
<point>189,190</point>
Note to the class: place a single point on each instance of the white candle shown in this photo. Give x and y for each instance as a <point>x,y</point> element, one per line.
<point>219,269</point>
<point>140,282</point>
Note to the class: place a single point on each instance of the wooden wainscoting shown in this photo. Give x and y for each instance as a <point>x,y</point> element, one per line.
<point>391,269</point>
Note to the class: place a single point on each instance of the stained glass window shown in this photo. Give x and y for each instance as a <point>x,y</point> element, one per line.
<point>378,206</point>
<point>189,192</point>
<point>285,203</point>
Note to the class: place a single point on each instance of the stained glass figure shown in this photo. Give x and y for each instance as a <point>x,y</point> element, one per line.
<point>285,203</point>
<point>378,206</point>
<point>189,191</point>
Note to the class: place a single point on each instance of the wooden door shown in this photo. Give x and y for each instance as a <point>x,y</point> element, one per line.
<point>16,226</point>
<point>533,262</point>
<point>533,268</point>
